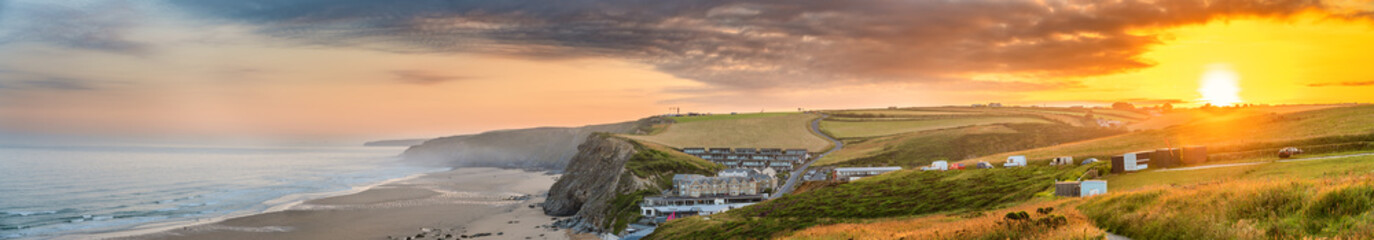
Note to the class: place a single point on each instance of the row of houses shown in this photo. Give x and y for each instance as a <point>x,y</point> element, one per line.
<point>695,194</point>
<point>729,182</point>
<point>778,159</point>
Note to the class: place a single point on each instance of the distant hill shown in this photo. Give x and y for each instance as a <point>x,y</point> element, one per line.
<point>545,148</point>
<point>395,143</point>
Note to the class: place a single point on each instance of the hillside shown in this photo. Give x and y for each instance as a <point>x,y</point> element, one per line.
<point>547,148</point>
<point>1229,137</point>
<point>899,194</point>
<point>913,137</point>
<point>767,130</point>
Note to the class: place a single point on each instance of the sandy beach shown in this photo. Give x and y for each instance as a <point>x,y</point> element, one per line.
<point>445,205</point>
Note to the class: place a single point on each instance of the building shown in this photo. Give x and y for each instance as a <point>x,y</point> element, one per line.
<point>1085,188</point>
<point>777,159</point>
<point>1015,161</point>
<point>729,182</point>
<point>695,194</point>
<point>856,173</point>
<point>1131,162</point>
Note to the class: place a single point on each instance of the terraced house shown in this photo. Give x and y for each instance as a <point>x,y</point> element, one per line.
<point>730,182</point>
<point>771,158</point>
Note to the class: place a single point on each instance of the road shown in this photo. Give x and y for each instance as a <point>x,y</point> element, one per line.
<point>1253,163</point>
<point>795,177</point>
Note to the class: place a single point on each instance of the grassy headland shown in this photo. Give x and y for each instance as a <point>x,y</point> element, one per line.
<point>783,130</point>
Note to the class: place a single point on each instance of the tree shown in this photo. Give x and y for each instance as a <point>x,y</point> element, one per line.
<point>1167,107</point>
<point>1123,106</point>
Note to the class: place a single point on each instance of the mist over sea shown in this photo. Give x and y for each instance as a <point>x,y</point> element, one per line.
<point>48,191</point>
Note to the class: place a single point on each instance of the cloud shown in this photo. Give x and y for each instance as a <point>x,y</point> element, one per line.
<point>1343,84</point>
<point>100,26</point>
<point>52,83</point>
<point>750,45</point>
<point>423,77</point>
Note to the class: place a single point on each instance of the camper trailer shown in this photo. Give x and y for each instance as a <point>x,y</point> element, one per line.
<point>984,165</point>
<point>1061,161</point>
<point>941,165</point>
<point>1085,188</point>
<point>1015,161</point>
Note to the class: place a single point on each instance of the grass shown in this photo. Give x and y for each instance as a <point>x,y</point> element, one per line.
<point>775,131</point>
<point>897,194</point>
<point>855,129</point>
<point>1338,207</point>
<point>727,116</point>
<point>865,147</point>
<point>1240,133</point>
<point>919,149</point>
<point>1269,171</point>
<point>973,225</point>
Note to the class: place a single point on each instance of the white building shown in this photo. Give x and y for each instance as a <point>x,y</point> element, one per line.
<point>855,173</point>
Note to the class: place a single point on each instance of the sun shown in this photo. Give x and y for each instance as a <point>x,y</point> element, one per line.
<point>1220,86</point>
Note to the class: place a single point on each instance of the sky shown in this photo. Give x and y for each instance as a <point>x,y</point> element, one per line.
<point>428,68</point>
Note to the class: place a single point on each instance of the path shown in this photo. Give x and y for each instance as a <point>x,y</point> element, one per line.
<point>797,174</point>
<point>1254,163</point>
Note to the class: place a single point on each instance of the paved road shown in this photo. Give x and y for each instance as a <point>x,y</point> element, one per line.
<point>795,177</point>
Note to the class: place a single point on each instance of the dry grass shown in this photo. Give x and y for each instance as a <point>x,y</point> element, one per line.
<point>853,129</point>
<point>954,226</point>
<point>781,131</point>
<point>1323,208</point>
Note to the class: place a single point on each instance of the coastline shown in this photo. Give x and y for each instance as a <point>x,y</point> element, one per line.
<point>456,202</point>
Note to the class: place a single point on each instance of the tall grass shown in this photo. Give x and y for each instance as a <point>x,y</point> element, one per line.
<point>1322,208</point>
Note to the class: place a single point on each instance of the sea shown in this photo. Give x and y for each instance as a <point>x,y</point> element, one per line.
<point>53,191</point>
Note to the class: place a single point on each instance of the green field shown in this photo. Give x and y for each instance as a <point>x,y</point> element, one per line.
<point>791,130</point>
<point>728,116</point>
<point>853,129</point>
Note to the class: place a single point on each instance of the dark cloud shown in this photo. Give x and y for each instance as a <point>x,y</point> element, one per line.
<point>54,83</point>
<point>96,26</point>
<point>1343,84</point>
<point>767,43</point>
<point>423,77</point>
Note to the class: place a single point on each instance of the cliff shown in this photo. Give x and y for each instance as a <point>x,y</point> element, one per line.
<point>395,143</point>
<point>547,148</point>
<point>604,183</point>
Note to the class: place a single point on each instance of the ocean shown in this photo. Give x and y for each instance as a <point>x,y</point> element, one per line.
<point>49,191</point>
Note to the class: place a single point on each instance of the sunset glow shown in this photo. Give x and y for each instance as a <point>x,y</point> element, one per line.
<point>1219,86</point>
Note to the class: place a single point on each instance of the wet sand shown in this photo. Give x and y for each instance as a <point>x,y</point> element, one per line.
<point>465,201</point>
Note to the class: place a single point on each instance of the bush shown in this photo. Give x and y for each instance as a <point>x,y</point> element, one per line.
<point>1349,201</point>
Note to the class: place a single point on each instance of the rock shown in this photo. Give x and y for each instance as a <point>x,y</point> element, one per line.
<point>591,177</point>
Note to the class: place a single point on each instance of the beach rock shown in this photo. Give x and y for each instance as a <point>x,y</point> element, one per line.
<point>591,177</point>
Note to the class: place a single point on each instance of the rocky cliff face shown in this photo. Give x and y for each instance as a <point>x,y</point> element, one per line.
<point>590,181</point>
<point>603,185</point>
<point>548,148</point>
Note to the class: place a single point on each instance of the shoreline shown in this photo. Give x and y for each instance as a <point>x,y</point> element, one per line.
<point>457,200</point>
<point>284,203</point>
